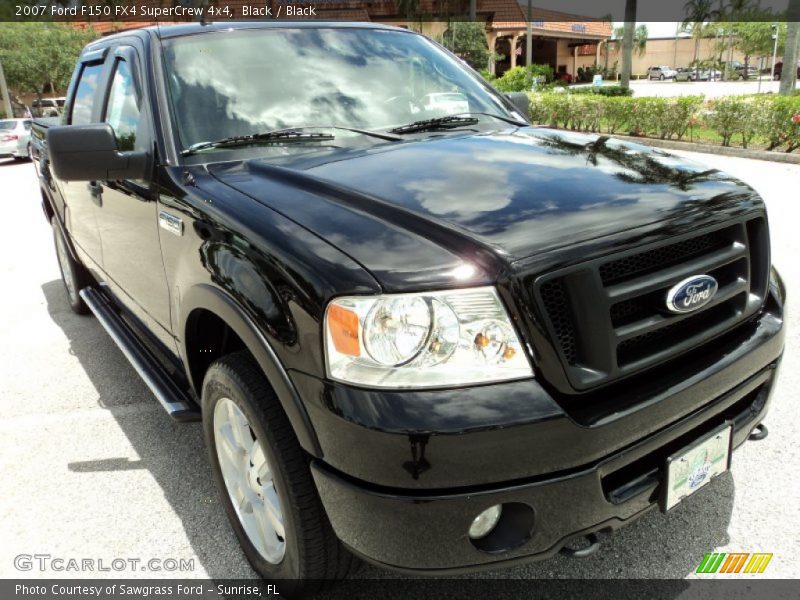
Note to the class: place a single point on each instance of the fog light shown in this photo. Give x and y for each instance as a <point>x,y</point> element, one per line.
<point>485,522</point>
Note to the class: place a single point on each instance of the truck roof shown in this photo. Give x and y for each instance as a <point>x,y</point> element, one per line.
<point>174,30</point>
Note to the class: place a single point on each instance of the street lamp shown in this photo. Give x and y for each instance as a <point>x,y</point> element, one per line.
<point>774,50</point>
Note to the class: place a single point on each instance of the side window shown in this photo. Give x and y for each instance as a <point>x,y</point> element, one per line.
<point>122,110</point>
<point>85,94</point>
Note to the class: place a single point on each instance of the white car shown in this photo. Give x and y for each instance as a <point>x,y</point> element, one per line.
<point>448,103</point>
<point>15,138</point>
<point>662,72</point>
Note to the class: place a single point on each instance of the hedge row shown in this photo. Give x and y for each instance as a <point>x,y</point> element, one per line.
<point>773,120</point>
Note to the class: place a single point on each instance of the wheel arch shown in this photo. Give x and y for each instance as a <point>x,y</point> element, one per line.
<point>214,306</point>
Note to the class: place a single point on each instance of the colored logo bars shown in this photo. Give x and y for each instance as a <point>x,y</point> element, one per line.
<point>734,562</point>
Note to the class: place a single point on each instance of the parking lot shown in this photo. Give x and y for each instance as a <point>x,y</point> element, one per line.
<point>709,89</point>
<point>93,468</point>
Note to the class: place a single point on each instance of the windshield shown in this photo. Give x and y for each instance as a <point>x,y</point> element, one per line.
<point>243,82</point>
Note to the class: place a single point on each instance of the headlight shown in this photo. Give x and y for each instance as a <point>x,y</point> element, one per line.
<point>423,340</point>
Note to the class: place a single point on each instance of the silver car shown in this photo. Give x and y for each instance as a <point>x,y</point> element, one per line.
<point>15,138</point>
<point>661,72</point>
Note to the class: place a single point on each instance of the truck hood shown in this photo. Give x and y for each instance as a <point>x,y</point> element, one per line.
<point>429,210</point>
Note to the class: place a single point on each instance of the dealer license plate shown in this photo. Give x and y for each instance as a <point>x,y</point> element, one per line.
<point>693,467</point>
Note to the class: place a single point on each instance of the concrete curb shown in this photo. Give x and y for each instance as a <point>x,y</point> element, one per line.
<point>781,157</point>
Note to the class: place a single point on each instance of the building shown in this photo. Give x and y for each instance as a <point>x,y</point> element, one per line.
<point>674,52</point>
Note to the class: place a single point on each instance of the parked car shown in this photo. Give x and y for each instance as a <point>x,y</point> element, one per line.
<point>445,103</point>
<point>661,72</point>
<point>15,136</point>
<point>685,74</point>
<point>779,70</point>
<point>701,74</point>
<point>48,107</point>
<point>738,69</point>
<point>438,343</point>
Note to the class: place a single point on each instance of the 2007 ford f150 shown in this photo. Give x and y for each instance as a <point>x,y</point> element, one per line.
<point>417,329</point>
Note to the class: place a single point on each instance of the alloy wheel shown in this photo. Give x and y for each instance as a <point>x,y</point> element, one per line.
<point>249,481</point>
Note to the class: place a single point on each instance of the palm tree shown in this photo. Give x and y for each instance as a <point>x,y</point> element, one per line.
<point>791,51</point>
<point>640,36</point>
<point>698,13</point>
<point>627,42</point>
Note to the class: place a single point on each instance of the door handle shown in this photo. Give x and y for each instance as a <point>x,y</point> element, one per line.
<point>96,192</point>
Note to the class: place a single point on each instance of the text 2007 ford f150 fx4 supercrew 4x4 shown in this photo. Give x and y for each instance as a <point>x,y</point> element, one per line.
<point>417,329</point>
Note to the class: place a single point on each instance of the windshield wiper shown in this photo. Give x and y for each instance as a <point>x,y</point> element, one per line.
<point>453,121</point>
<point>449,122</point>
<point>376,134</point>
<point>279,136</point>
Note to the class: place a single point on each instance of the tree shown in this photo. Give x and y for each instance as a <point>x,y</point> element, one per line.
<point>698,13</point>
<point>744,24</point>
<point>627,42</point>
<point>754,38</point>
<point>640,35</point>
<point>792,50</point>
<point>37,55</point>
<point>468,40</point>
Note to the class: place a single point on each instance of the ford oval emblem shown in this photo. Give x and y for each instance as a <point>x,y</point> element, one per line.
<point>691,293</point>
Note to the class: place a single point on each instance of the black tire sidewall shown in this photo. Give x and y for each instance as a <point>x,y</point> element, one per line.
<point>75,301</point>
<point>219,384</point>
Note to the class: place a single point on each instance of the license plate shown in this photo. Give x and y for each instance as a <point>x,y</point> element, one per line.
<point>694,466</point>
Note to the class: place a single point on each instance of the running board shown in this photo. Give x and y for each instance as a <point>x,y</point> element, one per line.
<point>174,400</point>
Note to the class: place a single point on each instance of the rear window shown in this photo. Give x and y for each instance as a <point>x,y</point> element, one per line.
<point>6,125</point>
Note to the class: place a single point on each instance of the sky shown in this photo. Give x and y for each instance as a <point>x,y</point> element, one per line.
<point>656,29</point>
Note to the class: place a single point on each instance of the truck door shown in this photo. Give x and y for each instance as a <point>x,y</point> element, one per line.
<point>128,218</point>
<point>81,200</point>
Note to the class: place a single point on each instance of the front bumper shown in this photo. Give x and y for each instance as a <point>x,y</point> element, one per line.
<point>426,532</point>
<point>404,474</point>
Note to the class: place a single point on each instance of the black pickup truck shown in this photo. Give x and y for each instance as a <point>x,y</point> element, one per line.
<point>417,329</point>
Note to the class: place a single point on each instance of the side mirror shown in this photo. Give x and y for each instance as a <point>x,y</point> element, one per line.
<point>89,153</point>
<point>521,102</point>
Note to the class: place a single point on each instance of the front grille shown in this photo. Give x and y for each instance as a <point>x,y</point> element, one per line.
<point>608,317</point>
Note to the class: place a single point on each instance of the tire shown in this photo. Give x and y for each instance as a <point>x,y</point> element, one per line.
<point>73,274</point>
<point>661,78</point>
<point>308,554</point>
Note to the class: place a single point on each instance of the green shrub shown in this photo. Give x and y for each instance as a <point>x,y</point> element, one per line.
<point>617,113</point>
<point>487,75</point>
<point>606,90</point>
<point>723,116</point>
<point>520,79</point>
<point>768,118</point>
<point>781,124</point>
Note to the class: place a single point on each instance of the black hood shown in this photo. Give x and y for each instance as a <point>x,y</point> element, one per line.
<point>413,212</point>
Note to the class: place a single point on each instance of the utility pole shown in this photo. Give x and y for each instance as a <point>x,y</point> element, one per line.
<point>4,92</point>
<point>774,51</point>
<point>529,39</point>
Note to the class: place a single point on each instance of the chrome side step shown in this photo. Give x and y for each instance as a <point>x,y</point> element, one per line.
<point>174,400</point>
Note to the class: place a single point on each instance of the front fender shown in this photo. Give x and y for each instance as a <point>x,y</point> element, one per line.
<point>219,302</point>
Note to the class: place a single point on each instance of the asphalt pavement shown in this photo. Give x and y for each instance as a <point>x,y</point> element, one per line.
<point>93,468</point>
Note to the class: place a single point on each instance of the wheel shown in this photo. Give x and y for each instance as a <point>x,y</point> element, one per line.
<point>661,77</point>
<point>265,482</point>
<point>30,152</point>
<point>73,273</point>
